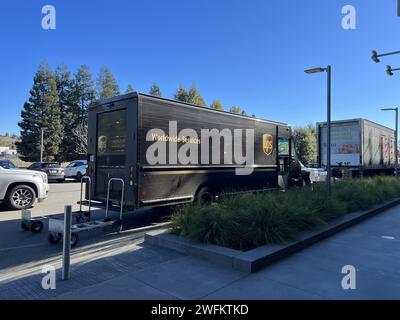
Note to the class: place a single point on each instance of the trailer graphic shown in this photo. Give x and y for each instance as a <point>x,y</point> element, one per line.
<point>363,146</point>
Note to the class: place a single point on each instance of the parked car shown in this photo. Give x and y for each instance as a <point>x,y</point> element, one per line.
<point>7,164</point>
<point>53,170</point>
<point>317,174</point>
<point>19,188</point>
<point>76,169</point>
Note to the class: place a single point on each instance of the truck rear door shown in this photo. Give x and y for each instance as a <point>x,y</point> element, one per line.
<point>111,152</point>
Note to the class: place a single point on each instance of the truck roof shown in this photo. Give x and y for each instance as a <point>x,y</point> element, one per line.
<point>148,96</point>
<point>358,120</point>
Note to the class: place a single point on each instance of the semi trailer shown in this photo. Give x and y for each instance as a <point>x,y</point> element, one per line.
<point>361,146</point>
<point>168,152</point>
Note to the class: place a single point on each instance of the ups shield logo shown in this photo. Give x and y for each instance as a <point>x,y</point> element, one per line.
<point>268,144</point>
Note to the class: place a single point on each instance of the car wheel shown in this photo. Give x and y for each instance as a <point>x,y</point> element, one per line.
<point>79,176</point>
<point>20,197</point>
<point>61,180</point>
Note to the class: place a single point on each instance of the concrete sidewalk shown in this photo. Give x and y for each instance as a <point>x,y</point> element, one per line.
<point>127,269</point>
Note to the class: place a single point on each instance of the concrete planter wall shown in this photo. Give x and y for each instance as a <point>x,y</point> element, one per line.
<point>260,257</point>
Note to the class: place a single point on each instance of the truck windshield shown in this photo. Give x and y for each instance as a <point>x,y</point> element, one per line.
<point>111,139</point>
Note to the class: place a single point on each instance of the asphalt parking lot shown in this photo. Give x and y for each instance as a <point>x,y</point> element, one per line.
<point>19,247</point>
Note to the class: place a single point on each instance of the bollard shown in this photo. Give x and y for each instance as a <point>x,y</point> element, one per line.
<point>66,242</point>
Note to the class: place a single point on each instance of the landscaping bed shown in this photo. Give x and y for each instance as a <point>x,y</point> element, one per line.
<point>247,221</point>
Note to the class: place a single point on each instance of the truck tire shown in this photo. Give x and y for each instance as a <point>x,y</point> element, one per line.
<point>53,239</point>
<point>20,197</point>
<point>74,239</point>
<point>204,196</point>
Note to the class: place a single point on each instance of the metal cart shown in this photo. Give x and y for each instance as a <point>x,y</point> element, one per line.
<point>56,226</point>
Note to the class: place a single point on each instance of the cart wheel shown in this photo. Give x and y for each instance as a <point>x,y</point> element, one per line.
<point>53,239</point>
<point>36,226</point>
<point>74,239</point>
<point>24,226</point>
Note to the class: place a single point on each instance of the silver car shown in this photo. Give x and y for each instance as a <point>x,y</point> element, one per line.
<point>20,188</point>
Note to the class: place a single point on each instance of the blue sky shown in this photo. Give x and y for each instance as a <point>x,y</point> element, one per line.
<point>248,53</point>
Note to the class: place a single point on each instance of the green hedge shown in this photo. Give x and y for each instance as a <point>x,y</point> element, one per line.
<point>247,221</point>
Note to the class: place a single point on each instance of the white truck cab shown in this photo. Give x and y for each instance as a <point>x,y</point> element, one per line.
<point>20,188</point>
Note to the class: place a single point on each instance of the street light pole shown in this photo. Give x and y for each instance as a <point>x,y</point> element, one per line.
<point>328,164</point>
<point>41,145</point>
<point>396,151</point>
<point>328,71</point>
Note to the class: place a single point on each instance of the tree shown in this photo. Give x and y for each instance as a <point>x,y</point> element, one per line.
<point>235,109</point>
<point>69,111</point>
<point>181,94</point>
<point>83,92</point>
<point>155,90</point>
<point>41,111</point>
<point>305,144</point>
<point>243,113</point>
<point>80,134</point>
<point>107,86</point>
<point>129,88</point>
<point>216,104</point>
<point>194,97</point>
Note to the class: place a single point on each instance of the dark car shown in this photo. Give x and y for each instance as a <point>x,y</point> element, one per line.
<point>7,164</point>
<point>53,170</point>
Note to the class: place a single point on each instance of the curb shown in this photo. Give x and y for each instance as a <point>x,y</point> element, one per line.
<point>260,257</point>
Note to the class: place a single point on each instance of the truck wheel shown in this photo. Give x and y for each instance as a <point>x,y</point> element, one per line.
<point>53,239</point>
<point>20,197</point>
<point>74,239</point>
<point>204,196</point>
<point>36,226</point>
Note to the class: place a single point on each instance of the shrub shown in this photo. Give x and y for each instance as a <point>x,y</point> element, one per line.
<point>249,220</point>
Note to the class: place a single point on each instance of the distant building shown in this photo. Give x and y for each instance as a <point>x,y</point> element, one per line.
<point>7,152</point>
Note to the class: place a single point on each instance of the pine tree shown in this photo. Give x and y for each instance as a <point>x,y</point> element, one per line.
<point>83,92</point>
<point>155,90</point>
<point>129,88</point>
<point>107,86</point>
<point>194,96</point>
<point>41,111</point>
<point>217,105</point>
<point>69,111</point>
<point>235,109</point>
<point>181,94</point>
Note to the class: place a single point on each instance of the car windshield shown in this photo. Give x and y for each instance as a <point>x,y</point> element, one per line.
<point>7,164</point>
<point>72,164</point>
<point>51,165</point>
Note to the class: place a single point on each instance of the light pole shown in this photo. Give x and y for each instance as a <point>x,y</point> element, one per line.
<point>396,110</point>
<point>41,145</point>
<point>328,122</point>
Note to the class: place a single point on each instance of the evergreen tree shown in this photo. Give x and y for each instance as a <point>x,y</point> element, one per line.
<point>194,97</point>
<point>107,86</point>
<point>235,109</point>
<point>129,88</point>
<point>41,111</point>
<point>217,105</point>
<point>69,110</point>
<point>243,113</point>
<point>83,93</point>
<point>155,90</point>
<point>181,95</point>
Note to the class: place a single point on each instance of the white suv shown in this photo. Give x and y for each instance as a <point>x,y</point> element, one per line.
<point>76,169</point>
<point>20,188</point>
